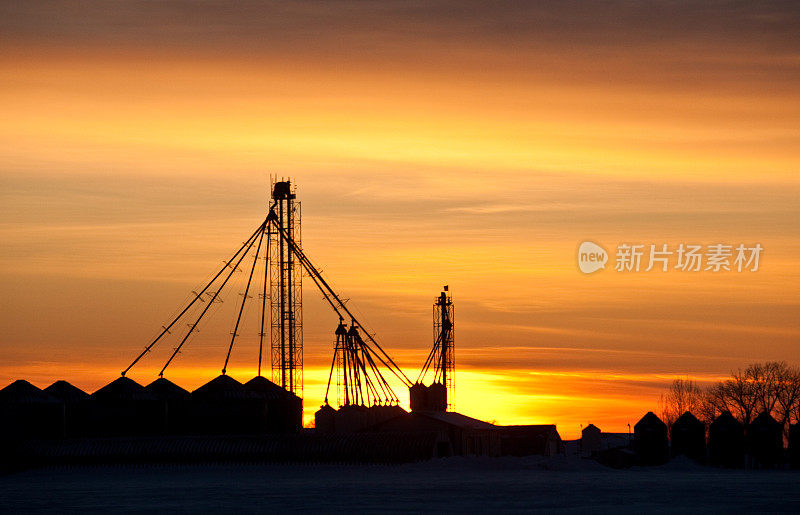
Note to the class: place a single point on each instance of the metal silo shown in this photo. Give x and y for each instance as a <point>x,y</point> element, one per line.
<point>688,437</point>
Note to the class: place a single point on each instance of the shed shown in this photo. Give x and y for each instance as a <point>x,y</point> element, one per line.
<point>224,406</point>
<point>689,437</point>
<point>175,404</point>
<point>590,440</point>
<point>458,434</point>
<point>726,441</point>
<point>124,408</point>
<point>284,408</point>
<point>650,440</point>
<point>764,441</point>
<point>527,440</point>
<point>30,413</point>
<point>77,407</point>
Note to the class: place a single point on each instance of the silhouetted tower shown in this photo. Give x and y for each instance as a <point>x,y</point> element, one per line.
<point>440,395</point>
<point>443,333</point>
<point>286,298</point>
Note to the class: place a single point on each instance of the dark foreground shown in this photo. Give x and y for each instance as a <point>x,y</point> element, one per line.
<point>452,484</point>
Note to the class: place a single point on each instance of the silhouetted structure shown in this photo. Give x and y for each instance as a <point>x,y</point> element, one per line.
<point>764,440</point>
<point>428,398</point>
<point>650,440</point>
<point>325,419</point>
<point>794,445</point>
<point>28,412</point>
<point>354,418</point>
<point>175,404</point>
<point>225,406</point>
<point>77,407</point>
<point>726,442</point>
<point>689,437</point>
<point>124,408</point>
<point>284,409</point>
<point>286,294</point>
<point>590,440</point>
<point>527,440</point>
<point>457,434</point>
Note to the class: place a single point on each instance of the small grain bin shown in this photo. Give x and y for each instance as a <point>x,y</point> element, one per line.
<point>726,442</point>
<point>688,437</point>
<point>650,440</point>
<point>764,441</point>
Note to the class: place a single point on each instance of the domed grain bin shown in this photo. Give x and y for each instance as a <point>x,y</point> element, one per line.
<point>726,442</point>
<point>590,440</point>
<point>29,413</point>
<point>764,441</point>
<point>284,409</point>
<point>77,407</point>
<point>688,437</point>
<point>351,418</point>
<point>175,404</point>
<point>125,408</point>
<point>650,440</point>
<point>224,406</point>
<point>325,420</point>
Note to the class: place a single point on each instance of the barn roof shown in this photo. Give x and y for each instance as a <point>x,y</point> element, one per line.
<point>455,419</point>
<point>21,391</point>
<point>66,391</point>
<point>544,430</point>
<point>165,389</point>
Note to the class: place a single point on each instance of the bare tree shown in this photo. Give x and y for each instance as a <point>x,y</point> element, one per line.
<point>773,387</point>
<point>683,395</point>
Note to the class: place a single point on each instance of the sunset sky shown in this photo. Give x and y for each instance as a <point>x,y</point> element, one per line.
<point>471,144</point>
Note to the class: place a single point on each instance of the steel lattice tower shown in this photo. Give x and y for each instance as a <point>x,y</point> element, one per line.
<point>286,295</point>
<point>443,335</point>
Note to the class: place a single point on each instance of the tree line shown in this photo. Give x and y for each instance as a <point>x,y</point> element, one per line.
<point>773,387</point>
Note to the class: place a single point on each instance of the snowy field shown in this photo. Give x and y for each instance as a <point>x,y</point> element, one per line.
<point>447,485</point>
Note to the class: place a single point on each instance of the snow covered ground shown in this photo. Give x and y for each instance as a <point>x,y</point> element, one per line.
<point>455,484</point>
